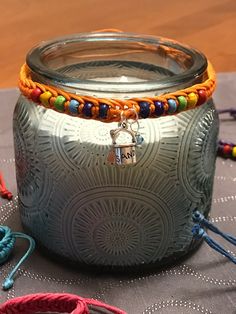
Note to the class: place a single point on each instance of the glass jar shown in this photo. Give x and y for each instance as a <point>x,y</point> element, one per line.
<point>77,204</point>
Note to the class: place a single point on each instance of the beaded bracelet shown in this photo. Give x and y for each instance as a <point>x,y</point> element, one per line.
<point>227,150</point>
<point>109,109</point>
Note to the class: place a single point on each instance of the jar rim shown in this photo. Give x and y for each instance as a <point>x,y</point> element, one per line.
<point>36,61</point>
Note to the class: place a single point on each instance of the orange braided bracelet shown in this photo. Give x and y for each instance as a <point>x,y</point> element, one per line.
<point>109,109</point>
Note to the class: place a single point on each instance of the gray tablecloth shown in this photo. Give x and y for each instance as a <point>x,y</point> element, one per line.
<point>204,282</point>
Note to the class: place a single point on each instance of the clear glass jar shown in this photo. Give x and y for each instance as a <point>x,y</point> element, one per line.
<point>71,199</point>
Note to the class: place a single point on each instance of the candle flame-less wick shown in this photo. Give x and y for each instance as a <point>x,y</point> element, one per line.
<point>123,79</point>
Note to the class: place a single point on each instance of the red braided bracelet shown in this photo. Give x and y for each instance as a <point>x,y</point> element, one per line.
<point>56,302</point>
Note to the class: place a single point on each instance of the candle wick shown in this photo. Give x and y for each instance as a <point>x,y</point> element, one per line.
<point>123,79</point>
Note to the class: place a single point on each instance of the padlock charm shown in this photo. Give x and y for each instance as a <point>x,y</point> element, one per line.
<point>125,154</point>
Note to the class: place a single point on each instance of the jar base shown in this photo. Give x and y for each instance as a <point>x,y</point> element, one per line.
<point>139,269</point>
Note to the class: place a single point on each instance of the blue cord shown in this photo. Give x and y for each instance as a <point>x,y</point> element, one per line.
<point>199,232</point>
<point>7,241</point>
<point>198,217</point>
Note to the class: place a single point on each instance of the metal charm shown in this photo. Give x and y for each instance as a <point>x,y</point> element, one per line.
<point>139,139</point>
<point>124,153</point>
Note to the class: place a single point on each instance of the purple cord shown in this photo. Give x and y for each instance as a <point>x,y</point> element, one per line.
<point>231,111</point>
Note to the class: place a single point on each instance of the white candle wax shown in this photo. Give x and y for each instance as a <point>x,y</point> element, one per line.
<point>120,79</point>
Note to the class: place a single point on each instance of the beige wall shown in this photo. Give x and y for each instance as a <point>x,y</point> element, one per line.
<point>209,25</point>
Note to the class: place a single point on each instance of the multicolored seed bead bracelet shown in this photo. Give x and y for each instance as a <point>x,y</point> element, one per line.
<point>227,150</point>
<point>109,109</point>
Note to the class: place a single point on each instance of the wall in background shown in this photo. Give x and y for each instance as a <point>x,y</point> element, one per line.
<point>209,25</point>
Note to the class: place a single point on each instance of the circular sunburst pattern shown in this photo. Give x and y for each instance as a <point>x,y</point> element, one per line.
<point>117,226</point>
<point>86,143</point>
<point>198,153</point>
<point>92,144</point>
<point>117,237</point>
<point>29,178</point>
<point>81,207</point>
<point>69,144</point>
<point>165,159</point>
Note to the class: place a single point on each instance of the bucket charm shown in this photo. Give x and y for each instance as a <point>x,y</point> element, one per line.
<point>124,153</point>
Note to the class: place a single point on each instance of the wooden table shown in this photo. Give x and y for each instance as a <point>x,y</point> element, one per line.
<point>209,25</point>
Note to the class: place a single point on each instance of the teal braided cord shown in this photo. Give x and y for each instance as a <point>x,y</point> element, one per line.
<point>7,241</point>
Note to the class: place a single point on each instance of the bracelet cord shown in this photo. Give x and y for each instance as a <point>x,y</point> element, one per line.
<point>55,302</point>
<point>199,233</point>
<point>109,109</point>
<point>7,242</point>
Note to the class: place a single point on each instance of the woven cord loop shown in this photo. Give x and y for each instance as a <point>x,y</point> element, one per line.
<point>199,233</point>
<point>77,105</point>
<point>7,242</point>
<point>55,302</point>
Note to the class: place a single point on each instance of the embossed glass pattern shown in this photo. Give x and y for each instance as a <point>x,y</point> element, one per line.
<point>71,199</point>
